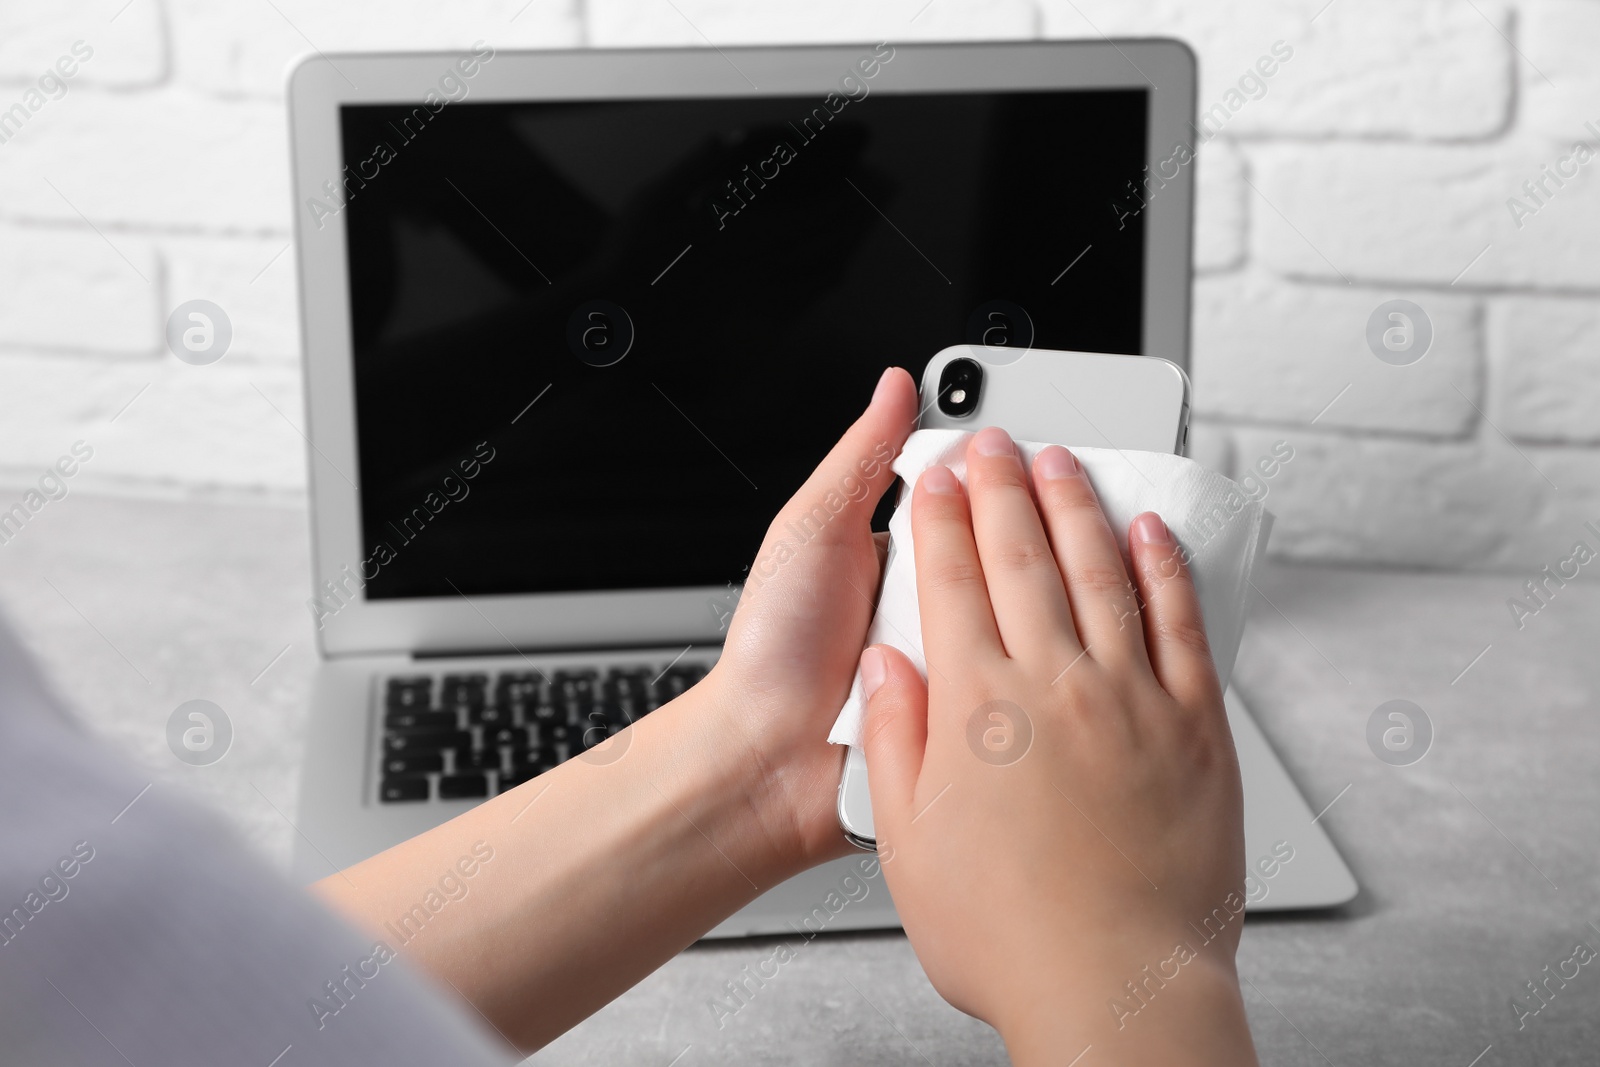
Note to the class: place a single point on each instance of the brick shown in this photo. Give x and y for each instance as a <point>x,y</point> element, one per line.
<point>1438,505</point>
<point>71,288</point>
<point>164,158</point>
<point>251,279</point>
<point>1220,207</point>
<point>128,52</point>
<point>190,427</point>
<point>1542,537</point>
<point>249,48</point>
<point>1270,351</point>
<point>1560,81</point>
<point>1545,369</point>
<point>695,22</point>
<point>1425,214</point>
<point>1427,69</point>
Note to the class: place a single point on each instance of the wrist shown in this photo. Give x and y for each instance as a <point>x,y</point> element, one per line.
<point>1134,1012</point>
<point>760,797</point>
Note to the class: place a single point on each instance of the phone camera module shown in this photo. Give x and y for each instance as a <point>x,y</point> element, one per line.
<point>959,386</point>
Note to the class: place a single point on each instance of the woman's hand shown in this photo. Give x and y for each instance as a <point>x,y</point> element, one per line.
<point>794,642</point>
<point>1059,808</point>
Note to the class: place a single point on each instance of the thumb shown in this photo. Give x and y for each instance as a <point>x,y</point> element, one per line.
<point>895,733</point>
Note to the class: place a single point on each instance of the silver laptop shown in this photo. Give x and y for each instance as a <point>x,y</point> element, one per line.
<point>577,323</point>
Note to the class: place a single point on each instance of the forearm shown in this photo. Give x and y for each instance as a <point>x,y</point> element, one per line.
<point>599,874</point>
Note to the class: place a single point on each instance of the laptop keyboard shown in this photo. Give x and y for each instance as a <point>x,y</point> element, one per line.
<point>472,734</point>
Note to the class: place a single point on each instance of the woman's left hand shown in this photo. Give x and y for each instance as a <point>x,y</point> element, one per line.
<point>795,640</point>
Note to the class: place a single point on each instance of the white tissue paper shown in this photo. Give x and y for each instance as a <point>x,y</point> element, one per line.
<point>1221,528</point>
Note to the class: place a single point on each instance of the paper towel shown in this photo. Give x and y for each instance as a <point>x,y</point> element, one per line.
<point>1221,528</point>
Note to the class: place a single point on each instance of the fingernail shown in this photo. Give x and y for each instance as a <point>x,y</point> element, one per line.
<point>874,668</point>
<point>994,441</point>
<point>1056,462</point>
<point>939,479</point>
<point>883,382</point>
<point>1149,529</point>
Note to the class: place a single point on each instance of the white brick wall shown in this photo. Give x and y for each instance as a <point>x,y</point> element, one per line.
<point>1377,163</point>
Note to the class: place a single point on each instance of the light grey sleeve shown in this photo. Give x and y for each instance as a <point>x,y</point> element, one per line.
<point>145,935</point>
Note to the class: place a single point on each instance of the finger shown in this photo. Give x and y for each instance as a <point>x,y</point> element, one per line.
<point>880,543</point>
<point>1179,652</point>
<point>895,733</point>
<point>838,500</point>
<point>953,599</point>
<point>1025,587</point>
<point>1103,601</point>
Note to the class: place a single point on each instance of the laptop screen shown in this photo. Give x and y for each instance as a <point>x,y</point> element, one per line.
<point>598,344</point>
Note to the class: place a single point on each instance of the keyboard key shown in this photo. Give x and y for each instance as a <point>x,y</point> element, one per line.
<point>629,681</point>
<point>499,715</point>
<point>395,790</point>
<point>420,720</point>
<point>404,742</point>
<point>532,762</point>
<point>545,756</point>
<point>457,786</point>
<point>627,692</point>
<point>417,763</point>
<point>578,714</point>
<point>455,683</point>
<point>568,686</point>
<point>409,693</point>
<point>464,691</point>
<point>518,688</point>
<point>581,677</point>
<point>515,736</point>
<point>479,760</point>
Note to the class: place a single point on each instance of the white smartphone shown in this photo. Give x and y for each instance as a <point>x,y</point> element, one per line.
<point>1077,399</point>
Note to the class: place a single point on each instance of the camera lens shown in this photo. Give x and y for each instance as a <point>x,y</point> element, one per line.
<point>959,386</point>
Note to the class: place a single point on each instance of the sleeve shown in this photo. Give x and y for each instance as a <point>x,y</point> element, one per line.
<point>136,930</point>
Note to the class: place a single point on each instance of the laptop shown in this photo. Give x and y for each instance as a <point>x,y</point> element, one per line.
<point>577,323</point>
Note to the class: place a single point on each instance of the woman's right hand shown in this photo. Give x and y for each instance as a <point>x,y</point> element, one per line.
<point>1058,808</point>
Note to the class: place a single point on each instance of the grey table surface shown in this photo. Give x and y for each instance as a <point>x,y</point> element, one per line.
<point>1478,864</point>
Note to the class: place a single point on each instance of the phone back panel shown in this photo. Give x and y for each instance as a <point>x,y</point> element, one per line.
<point>1083,399</point>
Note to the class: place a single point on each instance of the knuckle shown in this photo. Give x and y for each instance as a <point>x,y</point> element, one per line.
<point>952,576</point>
<point>1158,571</point>
<point>1187,632</point>
<point>880,724</point>
<point>1074,494</point>
<point>1099,577</point>
<point>1023,554</point>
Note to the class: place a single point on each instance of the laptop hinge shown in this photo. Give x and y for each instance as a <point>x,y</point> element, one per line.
<point>556,650</point>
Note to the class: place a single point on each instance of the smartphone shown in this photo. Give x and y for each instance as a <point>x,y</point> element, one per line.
<point>1077,399</point>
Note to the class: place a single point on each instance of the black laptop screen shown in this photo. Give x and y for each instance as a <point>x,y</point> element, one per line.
<point>598,344</point>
